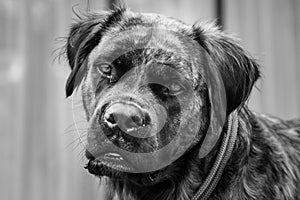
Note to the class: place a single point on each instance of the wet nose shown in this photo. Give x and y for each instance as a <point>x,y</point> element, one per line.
<point>126,116</point>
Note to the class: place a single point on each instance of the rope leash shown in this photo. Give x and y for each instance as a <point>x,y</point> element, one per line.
<point>223,156</point>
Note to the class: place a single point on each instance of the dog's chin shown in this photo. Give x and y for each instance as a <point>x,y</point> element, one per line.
<point>120,171</point>
<point>100,168</point>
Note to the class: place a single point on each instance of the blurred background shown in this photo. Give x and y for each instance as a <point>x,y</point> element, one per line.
<point>39,151</point>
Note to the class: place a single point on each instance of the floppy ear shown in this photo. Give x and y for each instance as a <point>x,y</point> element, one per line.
<point>84,36</point>
<point>238,70</point>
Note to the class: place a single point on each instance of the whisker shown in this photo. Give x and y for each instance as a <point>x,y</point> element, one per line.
<point>78,139</point>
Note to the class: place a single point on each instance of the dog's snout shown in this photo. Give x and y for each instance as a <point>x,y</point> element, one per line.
<point>126,116</point>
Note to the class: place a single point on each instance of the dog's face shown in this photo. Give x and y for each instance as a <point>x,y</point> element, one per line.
<point>145,88</point>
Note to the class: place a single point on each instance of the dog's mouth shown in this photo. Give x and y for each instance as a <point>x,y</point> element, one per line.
<point>108,164</point>
<point>115,166</point>
<point>117,158</point>
<point>115,148</point>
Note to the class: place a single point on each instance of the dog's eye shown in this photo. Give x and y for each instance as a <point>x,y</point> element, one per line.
<point>105,70</point>
<point>174,89</point>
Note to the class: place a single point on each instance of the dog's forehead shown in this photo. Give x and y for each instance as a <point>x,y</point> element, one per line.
<point>119,43</point>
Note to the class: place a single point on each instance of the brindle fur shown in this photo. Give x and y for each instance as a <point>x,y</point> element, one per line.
<point>265,163</point>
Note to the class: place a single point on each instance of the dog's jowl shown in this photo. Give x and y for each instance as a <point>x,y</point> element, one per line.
<point>167,117</point>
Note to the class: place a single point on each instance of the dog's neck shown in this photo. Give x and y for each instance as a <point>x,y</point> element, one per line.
<point>187,177</point>
<point>190,173</point>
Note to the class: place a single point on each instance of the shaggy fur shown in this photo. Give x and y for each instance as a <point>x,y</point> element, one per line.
<point>265,163</point>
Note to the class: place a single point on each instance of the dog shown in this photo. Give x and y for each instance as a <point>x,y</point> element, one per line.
<point>141,74</point>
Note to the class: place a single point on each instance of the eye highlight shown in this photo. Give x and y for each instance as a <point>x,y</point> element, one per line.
<point>173,89</point>
<point>105,70</point>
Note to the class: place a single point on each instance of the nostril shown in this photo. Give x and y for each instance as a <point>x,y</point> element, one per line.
<point>147,120</point>
<point>137,120</point>
<point>141,121</point>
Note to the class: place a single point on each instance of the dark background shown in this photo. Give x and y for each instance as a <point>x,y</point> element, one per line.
<point>40,156</point>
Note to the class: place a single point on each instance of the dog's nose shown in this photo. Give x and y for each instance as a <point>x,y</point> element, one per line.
<point>126,116</point>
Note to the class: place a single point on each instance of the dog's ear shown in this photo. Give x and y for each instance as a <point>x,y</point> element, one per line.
<point>238,70</point>
<point>84,36</point>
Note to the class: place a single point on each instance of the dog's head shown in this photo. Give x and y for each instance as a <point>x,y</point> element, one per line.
<point>152,88</point>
